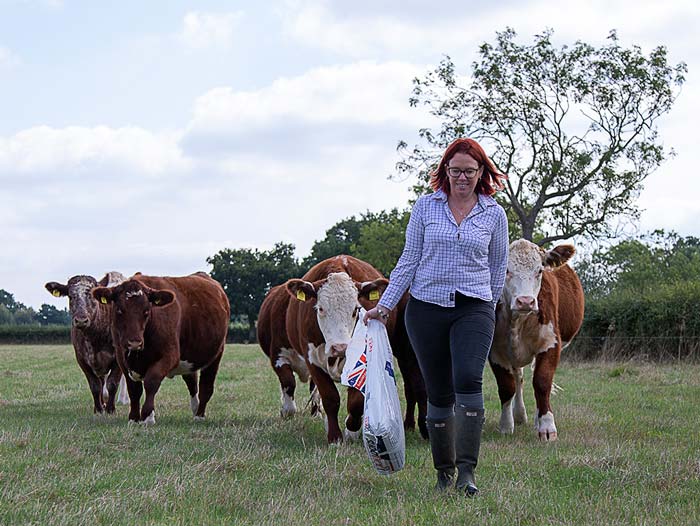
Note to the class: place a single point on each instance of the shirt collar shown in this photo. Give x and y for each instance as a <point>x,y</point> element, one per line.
<point>483,200</point>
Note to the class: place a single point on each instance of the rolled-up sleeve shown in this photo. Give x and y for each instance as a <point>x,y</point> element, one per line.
<point>498,256</point>
<point>405,270</point>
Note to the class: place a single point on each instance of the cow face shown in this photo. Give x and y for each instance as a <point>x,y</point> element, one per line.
<point>132,303</point>
<point>526,263</point>
<point>81,304</point>
<point>336,300</point>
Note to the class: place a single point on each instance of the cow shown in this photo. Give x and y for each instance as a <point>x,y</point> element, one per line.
<point>539,313</point>
<point>167,326</point>
<point>320,318</point>
<point>272,337</point>
<point>91,336</point>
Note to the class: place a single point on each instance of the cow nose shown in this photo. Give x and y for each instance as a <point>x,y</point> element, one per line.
<point>81,322</point>
<point>338,349</point>
<point>134,345</point>
<point>525,303</point>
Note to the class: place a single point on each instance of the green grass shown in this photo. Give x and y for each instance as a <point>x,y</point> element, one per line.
<point>628,453</point>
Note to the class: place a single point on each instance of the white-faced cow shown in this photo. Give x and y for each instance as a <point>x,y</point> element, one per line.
<point>539,313</point>
<point>320,318</point>
<point>167,326</point>
<point>91,336</point>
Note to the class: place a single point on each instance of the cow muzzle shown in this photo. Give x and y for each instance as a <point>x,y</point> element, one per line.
<point>81,323</point>
<point>525,304</point>
<point>134,345</point>
<point>338,349</point>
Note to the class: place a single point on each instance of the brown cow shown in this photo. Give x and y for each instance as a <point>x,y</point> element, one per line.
<point>320,318</point>
<point>91,337</point>
<point>272,337</point>
<point>539,313</point>
<point>165,326</point>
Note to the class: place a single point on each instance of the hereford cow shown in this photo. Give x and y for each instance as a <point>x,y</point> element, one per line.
<point>91,336</point>
<point>272,337</point>
<point>165,326</point>
<point>539,313</point>
<point>320,319</point>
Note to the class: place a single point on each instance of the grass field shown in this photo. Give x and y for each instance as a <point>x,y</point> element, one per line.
<point>628,453</point>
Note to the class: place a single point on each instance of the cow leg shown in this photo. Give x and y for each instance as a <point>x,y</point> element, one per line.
<point>206,385</point>
<point>151,384</point>
<point>330,398</point>
<point>135,390</point>
<point>506,390</point>
<point>545,366</point>
<point>96,384</point>
<point>353,422</point>
<point>191,382</point>
<point>112,383</point>
<point>414,389</point>
<point>519,411</point>
<point>281,365</point>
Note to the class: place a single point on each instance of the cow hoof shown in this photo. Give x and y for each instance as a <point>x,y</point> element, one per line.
<point>286,412</point>
<point>150,419</point>
<point>351,436</point>
<point>546,429</point>
<point>199,418</point>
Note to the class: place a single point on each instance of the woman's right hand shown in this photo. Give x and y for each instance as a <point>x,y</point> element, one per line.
<point>376,313</point>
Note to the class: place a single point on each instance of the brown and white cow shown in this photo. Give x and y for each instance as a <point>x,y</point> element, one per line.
<point>167,326</point>
<point>272,337</point>
<point>91,336</point>
<point>320,319</point>
<point>539,313</point>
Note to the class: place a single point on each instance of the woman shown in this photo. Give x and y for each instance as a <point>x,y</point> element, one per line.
<point>454,262</point>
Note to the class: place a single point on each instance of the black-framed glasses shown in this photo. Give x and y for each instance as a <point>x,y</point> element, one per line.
<point>469,173</point>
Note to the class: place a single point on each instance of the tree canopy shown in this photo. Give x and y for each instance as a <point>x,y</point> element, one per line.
<point>574,128</point>
<point>641,265</point>
<point>248,274</point>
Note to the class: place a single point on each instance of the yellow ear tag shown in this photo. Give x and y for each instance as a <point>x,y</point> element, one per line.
<point>300,295</point>
<point>157,302</point>
<point>103,300</point>
<point>56,293</point>
<point>373,295</point>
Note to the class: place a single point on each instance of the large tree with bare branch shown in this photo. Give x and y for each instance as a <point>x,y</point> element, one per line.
<point>574,127</point>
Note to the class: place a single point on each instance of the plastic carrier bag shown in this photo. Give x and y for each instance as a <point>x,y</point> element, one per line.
<point>382,430</point>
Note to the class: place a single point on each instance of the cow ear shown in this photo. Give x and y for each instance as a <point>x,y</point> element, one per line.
<point>372,290</point>
<point>301,290</point>
<point>558,255</point>
<point>104,295</point>
<point>104,281</point>
<point>161,298</point>
<point>57,289</point>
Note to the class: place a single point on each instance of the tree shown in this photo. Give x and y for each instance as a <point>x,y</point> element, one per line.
<point>8,300</point>
<point>339,240</point>
<point>573,127</point>
<point>641,265</point>
<point>248,274</point>
<point>381,240</point>
<point>50,315</point>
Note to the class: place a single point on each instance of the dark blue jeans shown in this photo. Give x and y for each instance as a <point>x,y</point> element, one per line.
<point>451,344</point>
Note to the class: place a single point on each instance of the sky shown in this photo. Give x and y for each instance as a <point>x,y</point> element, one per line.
<point>148,136</point>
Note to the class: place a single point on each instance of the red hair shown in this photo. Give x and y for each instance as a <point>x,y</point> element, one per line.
<point>491,179</point>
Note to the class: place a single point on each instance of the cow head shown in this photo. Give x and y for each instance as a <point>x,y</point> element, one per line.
<point>81,304</point>
<point>337,300</point>
<point>132,302</point>
<point>526,263</point>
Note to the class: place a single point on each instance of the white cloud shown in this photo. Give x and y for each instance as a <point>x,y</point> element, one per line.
<point>322,106</point>
<point>203,30</point>
<point>8,59</point>
<point>94,150</point>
